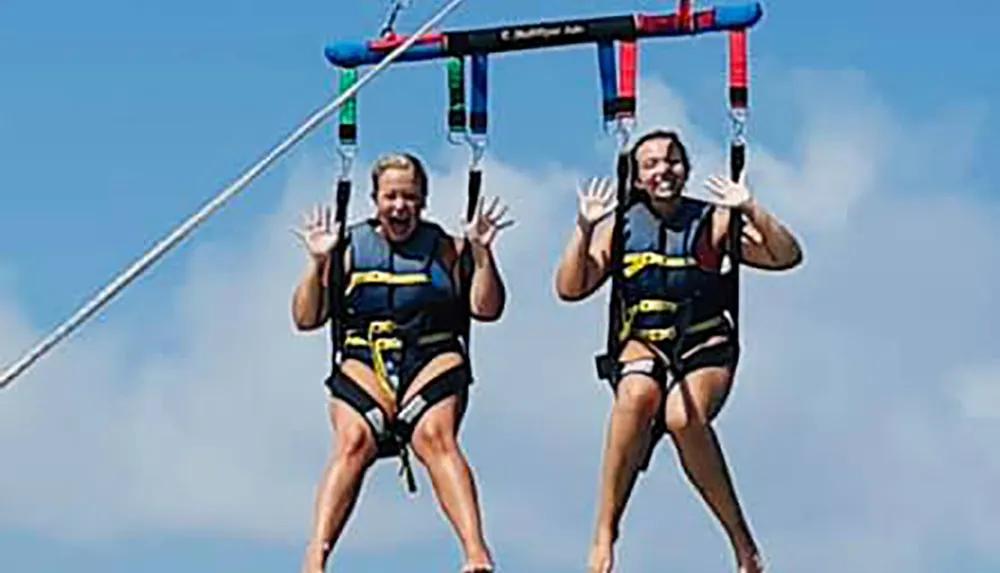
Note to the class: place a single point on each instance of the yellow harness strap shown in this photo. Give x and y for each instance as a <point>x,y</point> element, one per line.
<point>649,305</point>
<point>382,277</point>
<point>378,342</point>
<point>635,262</point>
<point>659,334</point>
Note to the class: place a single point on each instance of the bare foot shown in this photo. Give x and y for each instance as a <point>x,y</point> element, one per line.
<point>601,557</point>
<point>478,562</point>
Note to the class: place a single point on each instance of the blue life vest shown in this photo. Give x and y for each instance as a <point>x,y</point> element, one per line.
<point>405,283</point>
<point>663,288</point>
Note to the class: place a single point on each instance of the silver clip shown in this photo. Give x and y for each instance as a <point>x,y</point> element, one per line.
<point>621,129</point>
<point>347,152</point>
<point>738,120</point>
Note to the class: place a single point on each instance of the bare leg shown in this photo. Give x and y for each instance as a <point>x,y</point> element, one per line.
<point>635,405</point>
<point>338,492</point>
<point>435,444</point>
<point>691,406</point>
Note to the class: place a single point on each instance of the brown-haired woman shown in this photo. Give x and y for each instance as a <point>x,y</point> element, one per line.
<point>678,349</point>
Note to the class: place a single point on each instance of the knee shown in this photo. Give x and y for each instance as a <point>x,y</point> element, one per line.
<point>638,397</point>
<point>433,439</point>
<point>355,444</point>
<point>684,419</point>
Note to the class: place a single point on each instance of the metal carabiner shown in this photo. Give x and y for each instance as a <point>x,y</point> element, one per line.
<point>348,152</point>
<point>477,145</point>
<point>621,129</point>
<point>738,120</point>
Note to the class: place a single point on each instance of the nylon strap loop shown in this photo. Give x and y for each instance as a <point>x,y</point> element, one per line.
<point>478,116</point>
<point>609,89</point>
<point>738,76</point>
<point>457,113</point>
<point>628,68</point>
<point>348,131</point>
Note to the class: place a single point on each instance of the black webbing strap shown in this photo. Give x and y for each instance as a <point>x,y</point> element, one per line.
<point>335,287</point>
<point>606,362</point>
<point>737,162</point>
<point>465,262</point>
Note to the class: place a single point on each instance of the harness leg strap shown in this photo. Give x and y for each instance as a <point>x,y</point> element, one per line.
<point>450,383</point>
<point>342,387</point>
<point>387,439</point>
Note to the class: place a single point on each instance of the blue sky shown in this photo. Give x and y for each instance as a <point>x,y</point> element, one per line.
<point>183,428</point>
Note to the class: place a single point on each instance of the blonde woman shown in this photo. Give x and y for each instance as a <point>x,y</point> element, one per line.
<point>404,375</point>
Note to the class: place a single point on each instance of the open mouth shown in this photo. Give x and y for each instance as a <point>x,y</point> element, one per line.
<point>398,224</point>
<point>666,186</point>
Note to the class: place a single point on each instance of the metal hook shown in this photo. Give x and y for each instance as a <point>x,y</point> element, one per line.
<point>348,152</point>
<point>477,144</point>
<point>738,120</point>
<point>621,128</point>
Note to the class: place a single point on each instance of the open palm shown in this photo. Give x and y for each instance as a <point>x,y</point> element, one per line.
<point>597,200</point>
<point>318,232</point>
<point>729,193</point>
<point>486,223</point>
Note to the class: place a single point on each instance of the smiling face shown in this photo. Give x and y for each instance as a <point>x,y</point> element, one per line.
<point>661,165</point>
<point>400,192</point>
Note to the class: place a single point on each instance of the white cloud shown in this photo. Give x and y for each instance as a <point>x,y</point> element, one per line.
<point>863,402</point>
<point>977,393</point>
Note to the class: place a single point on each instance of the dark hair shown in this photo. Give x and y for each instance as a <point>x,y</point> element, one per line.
<point>633,159</point>
<point>400,161</point>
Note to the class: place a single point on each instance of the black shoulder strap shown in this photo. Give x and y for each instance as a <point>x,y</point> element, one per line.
<point>737,162</point>
<point>465,264</point>
<point>605,363</point>
<point>335,284</point>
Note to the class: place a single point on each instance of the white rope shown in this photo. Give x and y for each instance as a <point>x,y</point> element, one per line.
<point>389,27</point>
<point>161,248</point>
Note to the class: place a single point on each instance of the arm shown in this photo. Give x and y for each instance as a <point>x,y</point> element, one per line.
<point>309,303</point>
<point>587,259</point>
<point>487,293</point>
<point>766,242</point>
<point>585,262</point>
<point>320,237</point>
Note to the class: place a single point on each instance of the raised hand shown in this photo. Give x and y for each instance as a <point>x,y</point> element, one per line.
<point>486,223</point>
<point>318,232</point>
<point>597,200</point>
<point>729,193</point>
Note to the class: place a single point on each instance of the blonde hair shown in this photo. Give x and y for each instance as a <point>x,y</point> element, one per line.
<point>403,161</point>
